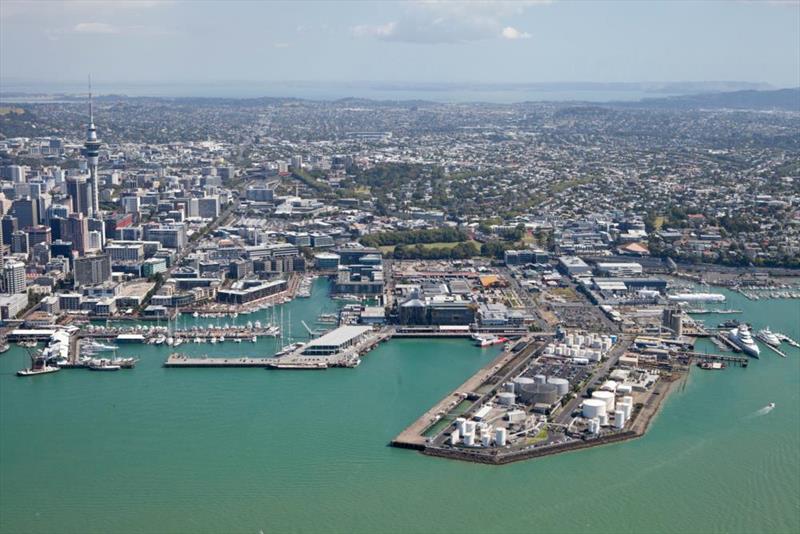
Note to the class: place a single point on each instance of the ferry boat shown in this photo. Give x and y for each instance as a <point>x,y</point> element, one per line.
<point>767,336</point>
<point>742,338</point>
<point>488,340</point>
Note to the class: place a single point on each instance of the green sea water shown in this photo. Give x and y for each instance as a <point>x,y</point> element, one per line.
<point>226,450</point>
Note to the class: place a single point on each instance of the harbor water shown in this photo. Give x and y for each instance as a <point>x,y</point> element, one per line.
<point>249,450</point>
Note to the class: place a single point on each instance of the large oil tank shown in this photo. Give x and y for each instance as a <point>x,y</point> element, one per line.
<point>506,398</point>
<point>593,408</point>
<point>540,379</point>
<point>521,381</point>
<point>538,393</point>
<point>500,437</point>
<point>605,396</point>
<point>561,383</point>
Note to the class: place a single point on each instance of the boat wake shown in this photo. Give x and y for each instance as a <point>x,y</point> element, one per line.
<point>763,411</point>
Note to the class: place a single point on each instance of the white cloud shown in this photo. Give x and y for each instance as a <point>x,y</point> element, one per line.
<point>438,21</point>
<point>379,30</point>
<point>95,27</point>
<point>512,33</point>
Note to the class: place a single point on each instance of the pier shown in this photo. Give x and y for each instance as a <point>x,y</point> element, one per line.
<point>739,361</point>
<point>296,359</point>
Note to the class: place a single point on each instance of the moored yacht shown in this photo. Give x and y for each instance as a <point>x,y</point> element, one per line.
<point>742,338</point>
<point>767,336</point>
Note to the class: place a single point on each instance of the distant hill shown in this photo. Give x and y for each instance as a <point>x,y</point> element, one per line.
<point>779,99</point>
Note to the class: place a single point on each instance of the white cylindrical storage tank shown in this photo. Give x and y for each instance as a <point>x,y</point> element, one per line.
<point>461,425</point>
<point>624,389</point>
<point>509,387</point>
<point>626,408</point>
<point>561,383</point>
<point>605,396</point>
<point>594,426</point>
<point>469,440</point>
<point>603,419</point>
<point>539,379</point>
<point>469,427</point>
<point>619,419</point>
<point>455,436</point>
<point>549,349</point>
<point>506,398</point>
<point>628,399</point>
<point>579,339</point>
<point>593,408</point>
<point>486,439</point>
<point>570,340</point>
<point>500,437</point>
<point>560,350</point>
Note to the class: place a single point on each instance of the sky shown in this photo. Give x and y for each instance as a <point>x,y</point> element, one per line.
<point>203,41</point>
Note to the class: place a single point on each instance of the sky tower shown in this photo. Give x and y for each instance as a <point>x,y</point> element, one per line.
<point>91,149</point>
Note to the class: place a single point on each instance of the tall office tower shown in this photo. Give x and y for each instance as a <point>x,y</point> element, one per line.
<point>80,191</point>
<point>40,253</point>
<point>14,277</point>
<point>16,173</point>
<point>78,232</point>
<point>19,242</point>
<point>39,234</point>
<point>131,204</point>
<point>91,149</point>
<point>10,225</point>
<point>26,211</point>
<point>92,270</point>
<point>61,248</point>
<point>99,226</point>
<point>57,210</point>
<point>58,227</point>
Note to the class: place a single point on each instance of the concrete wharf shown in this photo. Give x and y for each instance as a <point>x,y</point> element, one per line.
<point>739,361</point>
<point>294,360</point>
<point>412,437</point>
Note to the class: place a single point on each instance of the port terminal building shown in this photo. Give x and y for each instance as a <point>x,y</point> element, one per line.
<point>336,341</point>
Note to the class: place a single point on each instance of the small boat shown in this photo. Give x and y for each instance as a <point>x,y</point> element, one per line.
<point>771,405</point>
<point>103,365</point>
<point>43,370</point>
<point>711,366</point>
<point>195,315</point>
<point>254,339</point>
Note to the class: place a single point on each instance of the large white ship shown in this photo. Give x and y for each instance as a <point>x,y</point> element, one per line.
<point>742,338</point>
